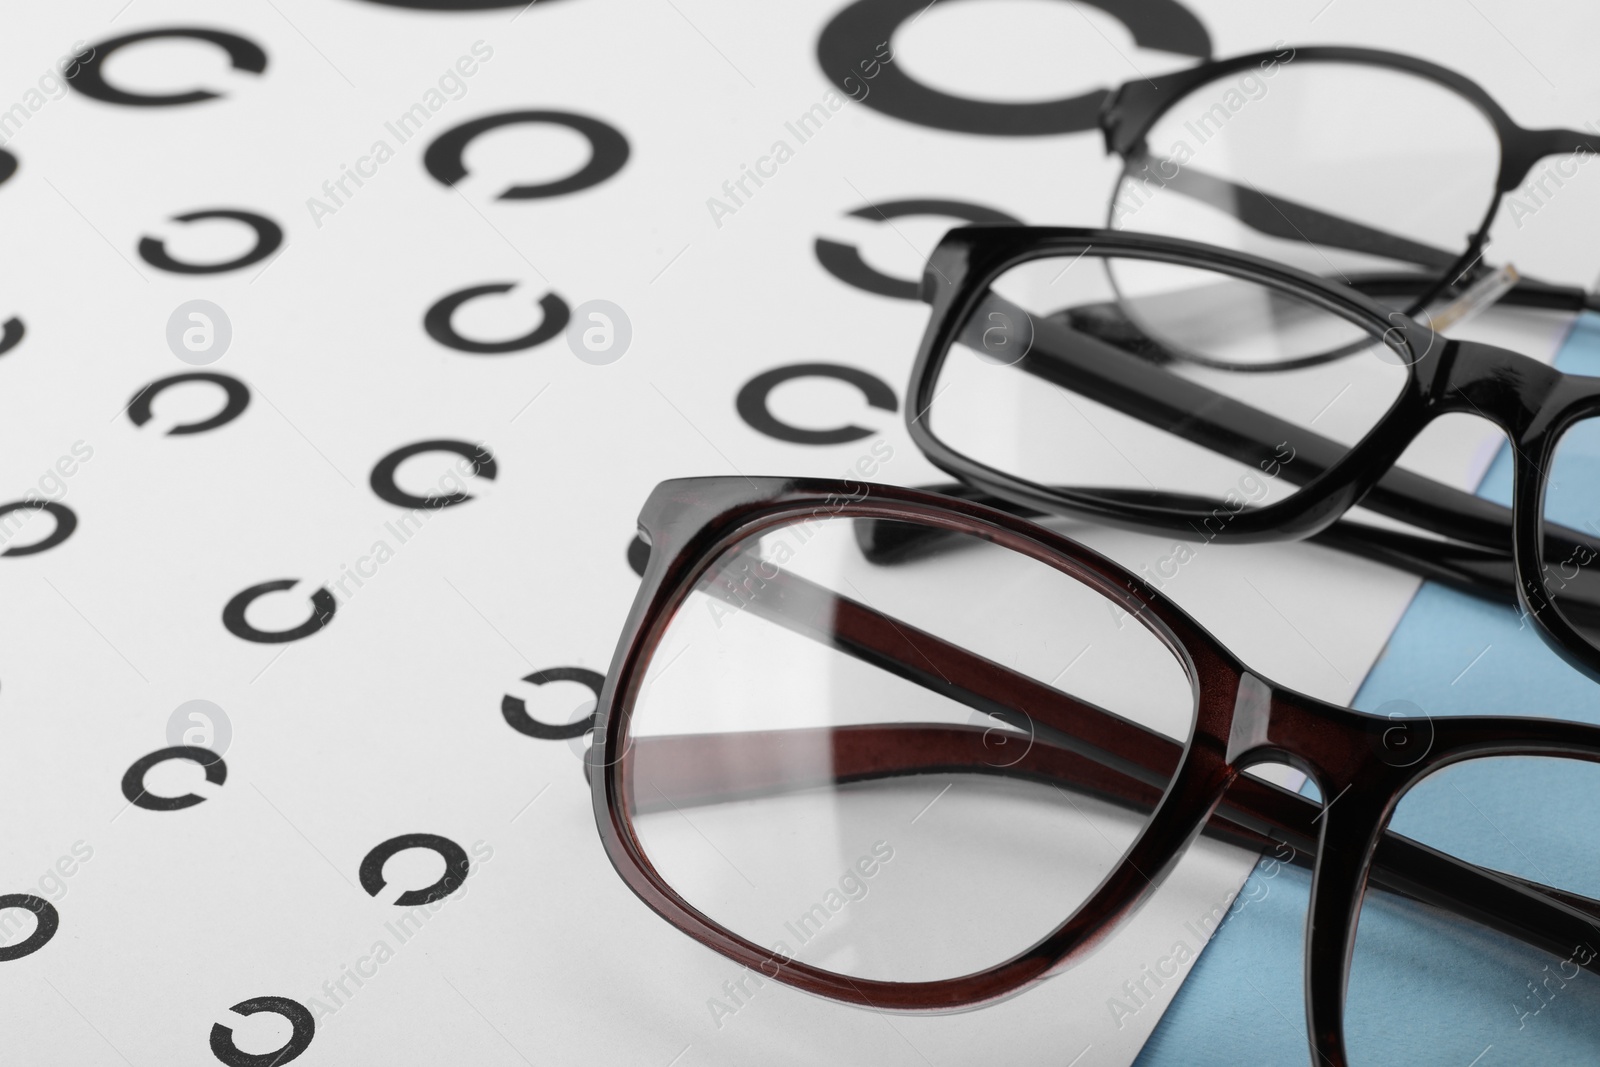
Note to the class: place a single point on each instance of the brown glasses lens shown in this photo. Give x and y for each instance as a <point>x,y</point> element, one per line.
<point>855,764</point>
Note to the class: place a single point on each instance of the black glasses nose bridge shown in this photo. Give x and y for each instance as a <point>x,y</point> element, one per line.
<point>1507,388</point>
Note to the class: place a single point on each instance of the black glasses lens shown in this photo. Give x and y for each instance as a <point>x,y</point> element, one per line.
<point>1570,531</point>
<point>1150,382</point>
<point>1358,173</point>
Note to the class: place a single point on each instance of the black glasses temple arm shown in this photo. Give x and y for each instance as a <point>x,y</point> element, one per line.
<point>1479,571</point>
<point>1152,393</point>
<point>1281,217</point>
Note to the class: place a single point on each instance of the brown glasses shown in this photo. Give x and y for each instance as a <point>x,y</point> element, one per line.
<point>925,780</point>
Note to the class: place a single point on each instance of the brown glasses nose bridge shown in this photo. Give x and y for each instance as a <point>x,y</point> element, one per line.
<point>1332,745</point>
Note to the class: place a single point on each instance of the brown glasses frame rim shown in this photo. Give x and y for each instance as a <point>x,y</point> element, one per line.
<point>688,523</point>
<point>1241,720</point>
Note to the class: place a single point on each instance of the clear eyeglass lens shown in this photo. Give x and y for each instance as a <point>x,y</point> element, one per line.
<point>1142,381</point>
<point>1570,530</point>
<point>844,753</point>
<point>1354,172</point>
<point>1431,987</point>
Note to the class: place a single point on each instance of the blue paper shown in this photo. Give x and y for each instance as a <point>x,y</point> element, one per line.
<point>1428,989</point>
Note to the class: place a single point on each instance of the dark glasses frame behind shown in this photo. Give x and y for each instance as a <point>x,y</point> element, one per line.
<point>1491,550</point>
<point>1131,110</point>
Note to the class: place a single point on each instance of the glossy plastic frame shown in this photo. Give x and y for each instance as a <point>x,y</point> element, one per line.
<point>1130,112</point>
<point>1492,550</point>
<point>1241,720</point>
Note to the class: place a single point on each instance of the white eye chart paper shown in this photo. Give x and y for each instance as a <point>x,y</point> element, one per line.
<point>277,273</point>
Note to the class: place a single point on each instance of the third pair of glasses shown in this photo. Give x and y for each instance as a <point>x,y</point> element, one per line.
<point>1372,168</point>
<point>1219,396</point>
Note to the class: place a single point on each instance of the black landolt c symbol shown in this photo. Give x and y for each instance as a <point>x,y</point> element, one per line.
<point>11,332</point>
<point>845,263</point>
<point>437,322</point>
<point>751,402</point>
<point>865,27</point>
<point>456,867</point>
<point>140,408</point>
<point>482,465</point>
<point>322,608</point>
<point>299,1016</point>
<point>607,147</point>
<point>269,236</point>
<point>88,77</point>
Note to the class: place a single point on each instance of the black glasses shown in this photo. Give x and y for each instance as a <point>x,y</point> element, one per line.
<point>1159,384</point>
<point>930,784</point>
<point>1376,169</point>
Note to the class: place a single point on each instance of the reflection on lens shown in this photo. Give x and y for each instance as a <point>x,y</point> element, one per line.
<point>1353,172</point>
<point>1431,987</point>
<point>1157,383</point>
<point>1211,318</point>
<point>1570,533</point>
<point>805,769</point>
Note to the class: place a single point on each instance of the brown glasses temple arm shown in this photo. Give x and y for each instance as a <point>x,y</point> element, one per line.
<point>687,770</point>
<point>1070,740</point>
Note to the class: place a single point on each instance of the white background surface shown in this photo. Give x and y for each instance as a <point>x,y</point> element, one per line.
<point>388,721</point>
